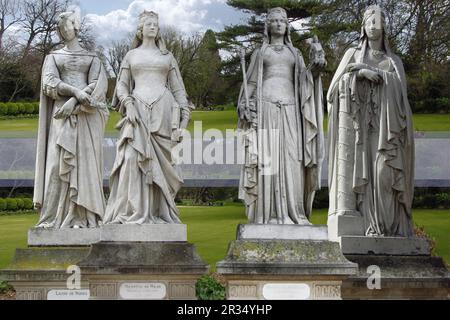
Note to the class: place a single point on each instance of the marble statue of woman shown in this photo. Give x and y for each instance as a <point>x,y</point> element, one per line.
<point>371,145</point>
<point>68,188</point>
<point>280,113</point>
<point>151,96</point>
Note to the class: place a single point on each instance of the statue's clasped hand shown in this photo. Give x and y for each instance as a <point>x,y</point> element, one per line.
<point>64,112</point>
<point>83,97</point>
<point>365,71</point>
<point>249,113</point>
<point>177,135</point>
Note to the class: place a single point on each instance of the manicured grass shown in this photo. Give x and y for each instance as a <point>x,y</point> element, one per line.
<point>212,228</point>
<point>432,122</point>
<point>13,234</point>
<point>220,120</point>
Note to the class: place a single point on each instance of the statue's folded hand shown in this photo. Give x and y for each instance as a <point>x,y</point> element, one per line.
<point>370,75</point>
<point>64,112</point>
<point>351,67</point>
<point>248,113</point>
<point>83,97</point>
<point>177,135</point>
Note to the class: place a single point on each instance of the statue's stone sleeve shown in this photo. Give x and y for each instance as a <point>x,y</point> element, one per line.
<point>94,71</point>
<point>178,90</point>
<point>50,78</point>
<point>123,89</point>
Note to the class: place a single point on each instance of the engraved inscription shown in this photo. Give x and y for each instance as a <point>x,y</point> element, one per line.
<point>182,290</point>
<point>103,290</point>
<point>242,291</point>
<point>327,291</point>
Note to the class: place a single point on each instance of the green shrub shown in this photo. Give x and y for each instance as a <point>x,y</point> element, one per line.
<point>13,108</point>
<point>443,200</point>
<point>20,204</point>
<point>208,287</point>
<point>5,287</point>
<point>429,201</point>
<point>3,109</point>
<point>11,204</point>
<point>22,108</point>
<point>29,108</point>
<point>28,204</point>
<point>36,107</point>
<point>419,231</point>
<point>2,204</point>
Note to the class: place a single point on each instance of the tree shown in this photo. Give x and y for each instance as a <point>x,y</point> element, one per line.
<point>203,80</point>
<point>115,54</point>
<point>418,32</point>
<point>14,82</point>
<point>10,14</point>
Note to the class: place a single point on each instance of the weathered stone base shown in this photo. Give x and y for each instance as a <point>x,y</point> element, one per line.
<point>40,237</point>
<point>402,277</point>
<point>253,269</point>
<point>34,272</point>
<point>110,232</point>
<point>150,270</point>
<point>109,270</point>
<point>281,232</point>
<point>345,223</point>
<point>384,245</point>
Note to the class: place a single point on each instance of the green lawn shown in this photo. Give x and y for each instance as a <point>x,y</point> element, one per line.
<point>210,119</point>
<point>211,229</point>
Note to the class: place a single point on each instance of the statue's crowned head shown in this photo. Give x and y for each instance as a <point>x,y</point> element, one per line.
<point>145,17</point>
<point>374,22</point>
<point>277,22</point>
<point>373,27</point>
<point>278,11</point>
<point>148,26</point>
<point>69,23</point>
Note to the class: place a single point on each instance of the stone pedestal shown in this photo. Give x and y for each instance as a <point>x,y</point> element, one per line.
<point>34,272</point>
<point>146,270</point>
<point>148,262</point>
<point>270,268</point>
<point>357,245</point>
<point>404,266</point>
<point>402,277</point>
<point>348,223</point>
<point>39,237</point>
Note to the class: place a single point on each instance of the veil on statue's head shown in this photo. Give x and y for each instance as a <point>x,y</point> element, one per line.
<point>287,35</point>
<point>73,15</point>
<point>363,39</point>
<point>137,41</point>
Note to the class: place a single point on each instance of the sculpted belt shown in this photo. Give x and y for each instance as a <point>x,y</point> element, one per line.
<point>280,103</point>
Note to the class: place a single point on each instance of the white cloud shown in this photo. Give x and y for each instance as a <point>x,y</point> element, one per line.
<point>186,15</point>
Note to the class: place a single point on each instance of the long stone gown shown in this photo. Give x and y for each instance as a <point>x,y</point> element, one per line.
<point>144,180</point>
<point>69,162</point>
<point>284,153</point>
<point>371,146</point>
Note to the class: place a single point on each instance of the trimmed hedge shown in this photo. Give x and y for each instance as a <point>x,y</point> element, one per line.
<point>19,108</point>
<point>16,204</point>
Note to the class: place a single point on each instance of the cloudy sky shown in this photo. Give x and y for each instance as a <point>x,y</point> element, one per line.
<point>115,19</point>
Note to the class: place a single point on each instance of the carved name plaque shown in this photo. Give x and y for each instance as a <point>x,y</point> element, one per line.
<point>142,290</point>
<point>286,291</point>
<point>66,294</point>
